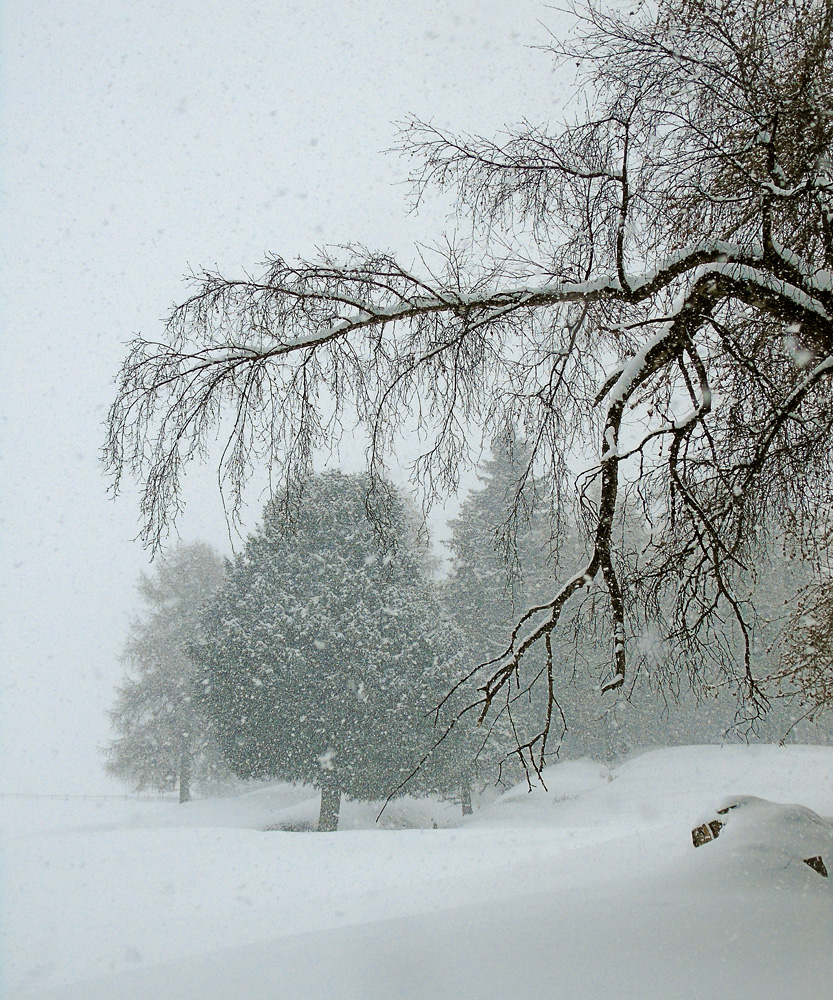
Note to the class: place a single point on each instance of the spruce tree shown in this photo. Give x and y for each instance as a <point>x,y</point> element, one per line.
<point>492,556</point>
<point>500,546</point>
<point>163,738</point>
<point>672,699</point>
<point>326,649</point>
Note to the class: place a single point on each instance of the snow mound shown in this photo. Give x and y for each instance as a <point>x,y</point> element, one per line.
<point>665,787</point>
<point>565,780</point>
<point>757,837</point>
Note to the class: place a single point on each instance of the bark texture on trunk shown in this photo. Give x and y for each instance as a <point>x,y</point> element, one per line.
<point>185,777</point>
<point>330,805</point>
<point>465,795</point>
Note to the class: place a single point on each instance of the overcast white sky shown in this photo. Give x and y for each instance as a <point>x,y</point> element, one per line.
<point>143,138</point>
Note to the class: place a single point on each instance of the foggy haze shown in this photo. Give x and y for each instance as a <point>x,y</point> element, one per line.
<point>140,141</point>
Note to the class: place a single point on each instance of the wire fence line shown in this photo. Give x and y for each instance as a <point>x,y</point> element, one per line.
<point>70,795</point>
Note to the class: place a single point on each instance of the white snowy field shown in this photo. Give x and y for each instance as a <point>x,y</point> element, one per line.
<point>588,889</point>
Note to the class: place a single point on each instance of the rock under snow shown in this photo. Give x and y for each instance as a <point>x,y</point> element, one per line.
<point>769,835</point>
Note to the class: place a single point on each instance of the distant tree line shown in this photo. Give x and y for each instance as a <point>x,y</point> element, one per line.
<point>328,653</point>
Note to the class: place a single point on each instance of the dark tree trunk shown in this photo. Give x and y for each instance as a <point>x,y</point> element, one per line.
<point>465,794</point>
<point>330,805</point>
<point>185,777</point>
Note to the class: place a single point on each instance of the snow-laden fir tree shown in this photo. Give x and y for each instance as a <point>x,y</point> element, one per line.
<point>325,651</point>
<point>164,739</point>
<point>503,542</point>
<point>491,539</point>
<point>493,557</point>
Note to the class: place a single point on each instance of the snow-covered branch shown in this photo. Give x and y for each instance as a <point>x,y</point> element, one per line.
<point>648,291</point>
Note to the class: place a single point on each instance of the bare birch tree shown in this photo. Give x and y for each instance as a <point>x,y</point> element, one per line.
<point>650,284</point>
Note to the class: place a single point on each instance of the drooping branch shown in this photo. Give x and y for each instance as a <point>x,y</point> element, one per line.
<point>659,308</point>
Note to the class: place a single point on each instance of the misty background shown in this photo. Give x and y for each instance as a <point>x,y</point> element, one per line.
<point>143,140</point>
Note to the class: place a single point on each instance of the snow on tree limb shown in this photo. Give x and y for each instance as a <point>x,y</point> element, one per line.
<point>666,303</point>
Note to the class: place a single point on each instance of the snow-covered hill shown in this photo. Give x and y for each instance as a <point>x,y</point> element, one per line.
<point>590,887</point>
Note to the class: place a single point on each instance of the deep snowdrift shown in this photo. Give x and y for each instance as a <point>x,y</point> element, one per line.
<point>590,888</point>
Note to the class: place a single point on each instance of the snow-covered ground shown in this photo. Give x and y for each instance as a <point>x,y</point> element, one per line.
<point>588,889</point>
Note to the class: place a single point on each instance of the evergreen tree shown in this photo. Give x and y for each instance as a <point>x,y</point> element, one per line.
<point>501,548</point>
<point>490,558</point>
<point>499,569</point>
<point>164,738</point>
<point>662,704</point>
<point>325,651</point>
